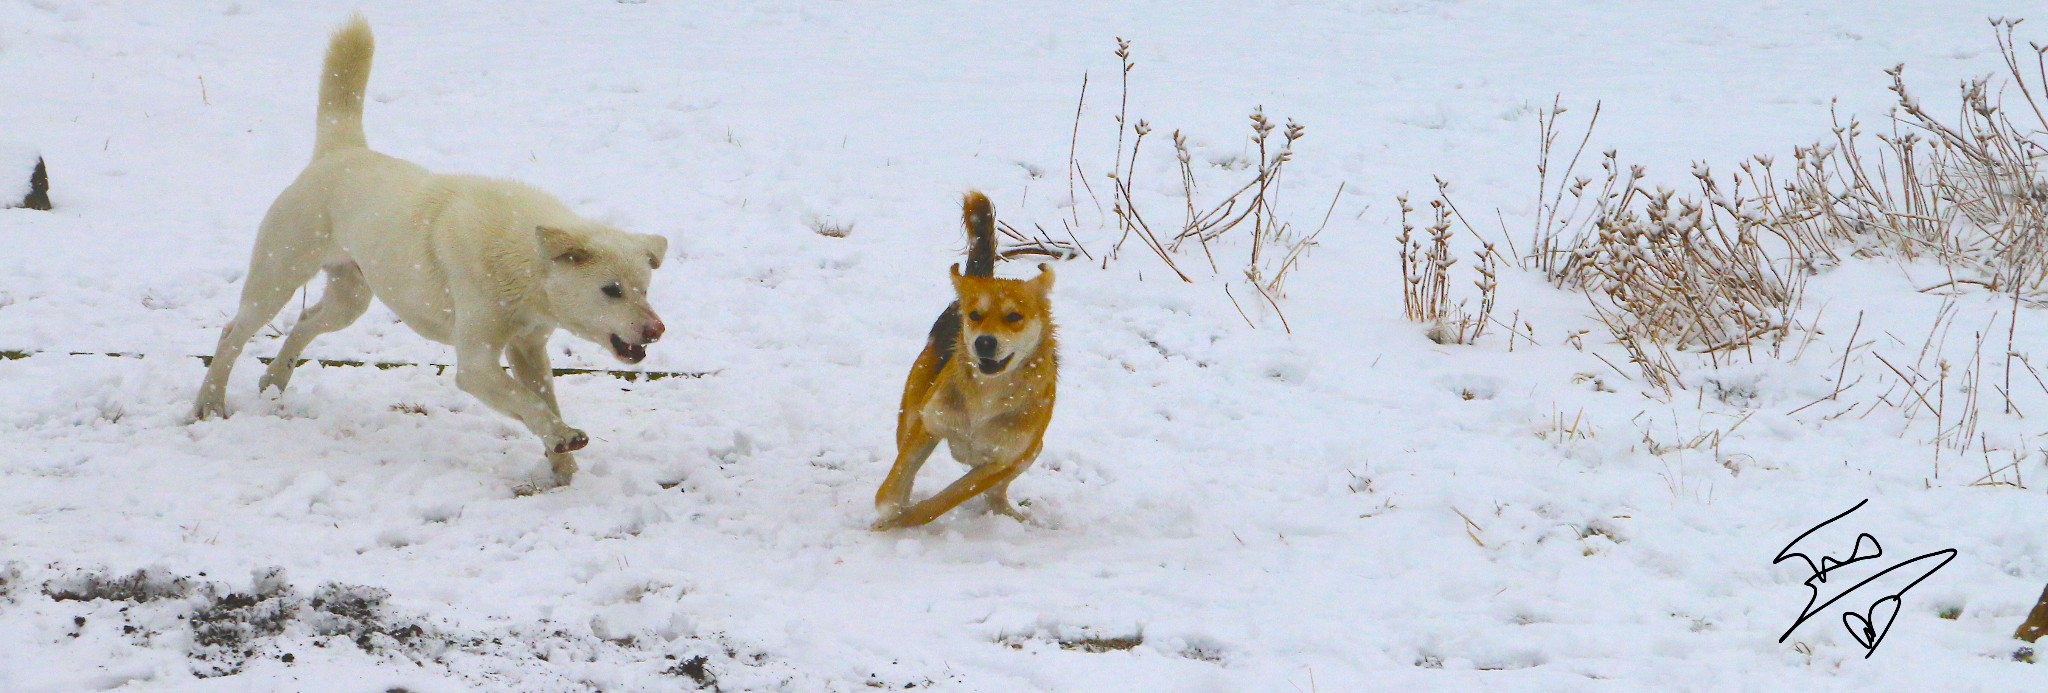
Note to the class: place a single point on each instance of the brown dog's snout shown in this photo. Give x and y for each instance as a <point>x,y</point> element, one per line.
<point>652,331</point>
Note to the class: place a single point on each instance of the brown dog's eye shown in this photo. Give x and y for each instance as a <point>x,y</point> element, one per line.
<point>1013,317</point>
<point>974,316</point>
<point>613,290</point>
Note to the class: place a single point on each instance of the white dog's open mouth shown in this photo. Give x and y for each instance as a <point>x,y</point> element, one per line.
<point>629,353</point>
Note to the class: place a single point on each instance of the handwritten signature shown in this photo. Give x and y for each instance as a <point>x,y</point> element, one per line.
<point>1868,627</point>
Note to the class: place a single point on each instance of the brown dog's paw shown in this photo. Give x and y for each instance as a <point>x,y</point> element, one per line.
<point>1016,513</point>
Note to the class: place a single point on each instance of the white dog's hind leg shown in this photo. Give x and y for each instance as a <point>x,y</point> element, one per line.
<point>346,298</point>
<point>277,268</point>
<point>529,358</point>
<point>479,372</point>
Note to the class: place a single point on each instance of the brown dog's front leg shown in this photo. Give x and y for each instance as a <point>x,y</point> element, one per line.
<point>2036,624</point>
<point>914,447</point>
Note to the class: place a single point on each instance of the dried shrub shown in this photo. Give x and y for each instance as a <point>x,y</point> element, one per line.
<point>1713,271</point>
<point>1967,191</point>
<point>829,228</point>
<point>1720,268</point>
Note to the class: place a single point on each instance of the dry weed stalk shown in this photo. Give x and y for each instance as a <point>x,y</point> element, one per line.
<point>1426,278</point>
<point>1041,243</point>
<point>1552,222</point>
<point>1557,429</point>
<point>1276,248</point>
<point>1948,394</point>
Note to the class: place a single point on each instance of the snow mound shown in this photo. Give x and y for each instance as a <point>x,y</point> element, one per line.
<point>17,163</point>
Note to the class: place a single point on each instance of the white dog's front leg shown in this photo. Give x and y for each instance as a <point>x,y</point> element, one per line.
<point>479,373</point>
<point>528,355</point>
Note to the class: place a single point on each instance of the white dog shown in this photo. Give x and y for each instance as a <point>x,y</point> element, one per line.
<point>489,266</point>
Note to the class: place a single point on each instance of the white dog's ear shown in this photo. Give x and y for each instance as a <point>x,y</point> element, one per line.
<point>561,246</point>
<point>657,246</point>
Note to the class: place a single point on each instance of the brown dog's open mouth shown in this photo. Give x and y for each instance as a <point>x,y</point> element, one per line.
<point>991,366</point>
<point>629,353</point>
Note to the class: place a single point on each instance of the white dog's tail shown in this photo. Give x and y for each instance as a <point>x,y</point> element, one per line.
<point>342,81</point>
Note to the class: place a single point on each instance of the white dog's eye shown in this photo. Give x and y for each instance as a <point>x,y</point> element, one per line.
<point>613,290</point>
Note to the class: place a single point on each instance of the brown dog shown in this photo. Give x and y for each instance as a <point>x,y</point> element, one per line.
<point>984,384</point>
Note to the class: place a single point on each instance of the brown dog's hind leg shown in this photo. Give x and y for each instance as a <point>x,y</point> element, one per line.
<point>998,499</point>
<point>976,482</point>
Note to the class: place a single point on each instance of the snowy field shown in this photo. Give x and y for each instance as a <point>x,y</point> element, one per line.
<point>1221,506</point>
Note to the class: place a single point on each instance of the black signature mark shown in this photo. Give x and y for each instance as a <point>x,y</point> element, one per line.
<point>1868,627</point>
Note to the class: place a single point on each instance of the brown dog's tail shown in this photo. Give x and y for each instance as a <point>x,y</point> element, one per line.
<point>980,218</point>
<point>342,81</point>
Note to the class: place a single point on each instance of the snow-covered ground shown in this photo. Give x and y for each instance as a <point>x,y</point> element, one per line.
<point>1219,507</point>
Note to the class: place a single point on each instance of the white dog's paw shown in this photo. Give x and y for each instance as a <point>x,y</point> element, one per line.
<point>209,409</point>
<point>533,488</point>
<point>569,440</point>
<point>274,378</point>
<point>562,468</point>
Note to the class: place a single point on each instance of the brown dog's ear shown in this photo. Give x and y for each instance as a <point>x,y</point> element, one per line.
<point>657,246</point>
<point>561,246</point>
<point>956,273</point>
<point>1043,282</point>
